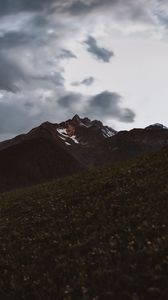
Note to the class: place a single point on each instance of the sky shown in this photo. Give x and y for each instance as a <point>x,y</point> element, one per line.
<point>105,60</point>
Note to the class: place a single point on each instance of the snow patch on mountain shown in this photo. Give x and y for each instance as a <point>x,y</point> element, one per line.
<point>74,139</point>
<point>108,132</point>
<point>62,131</point>
<point>68,144</point>
<point>64,136</point>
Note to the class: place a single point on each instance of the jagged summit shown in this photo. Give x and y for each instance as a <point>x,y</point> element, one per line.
<point>76,118</point>
<point>84,130</point>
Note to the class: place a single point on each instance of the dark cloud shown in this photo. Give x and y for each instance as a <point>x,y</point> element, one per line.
<point>99,52</point>
<point>40,21</point>
<point>14,76</point>
<point>77,7</point>
<point>74,7</point>
<point>22,39</point>
<point>29,104</point>
<point>10,74</point>
<point>162,18</point>
<point>64,54</point>
<point>101,106</point>
<point>69,101</point>
<point>15,38</point>
<point>87,81</point>
<point>25,30</point>
<point>134,10</point>
<point>28,55</point>
<point>107,104</point>
<point>71,6</point>
<point>129,9</point>
<point>15,6</point>
<point>13,119</point>
<point>56,78</point>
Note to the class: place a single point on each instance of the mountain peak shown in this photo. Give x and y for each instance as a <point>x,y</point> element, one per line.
<point>76,118</point>
<point>156,126</point>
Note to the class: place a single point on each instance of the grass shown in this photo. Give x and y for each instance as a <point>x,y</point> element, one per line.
<point>99,235</point>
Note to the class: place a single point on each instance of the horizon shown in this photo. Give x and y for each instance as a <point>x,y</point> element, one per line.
<point>26,132</point>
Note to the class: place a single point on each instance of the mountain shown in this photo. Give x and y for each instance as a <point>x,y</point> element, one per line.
<point>101,234</point>
<point>57,150</point>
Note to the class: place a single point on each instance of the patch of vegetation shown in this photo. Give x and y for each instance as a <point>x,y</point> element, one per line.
<point>99,235</point>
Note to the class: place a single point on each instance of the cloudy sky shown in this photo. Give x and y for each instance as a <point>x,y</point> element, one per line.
<point>101,59</point>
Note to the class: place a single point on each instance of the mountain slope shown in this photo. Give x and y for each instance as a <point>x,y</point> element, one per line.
<point>57,150</point>
<point>99,235</point>
<point>35,161</point>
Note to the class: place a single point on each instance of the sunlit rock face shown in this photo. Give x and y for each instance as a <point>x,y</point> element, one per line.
<point>70,130</point>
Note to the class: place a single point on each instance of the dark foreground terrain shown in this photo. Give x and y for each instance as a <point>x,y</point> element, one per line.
<point>99,235</point>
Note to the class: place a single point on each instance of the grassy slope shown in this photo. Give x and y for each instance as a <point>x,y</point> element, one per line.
<point>99,235</point>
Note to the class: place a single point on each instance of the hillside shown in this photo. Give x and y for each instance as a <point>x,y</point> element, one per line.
<point>35,161</point>
<point>99,235</point>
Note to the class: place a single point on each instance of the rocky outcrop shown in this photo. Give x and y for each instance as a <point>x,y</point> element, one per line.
<point>70,130</point>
